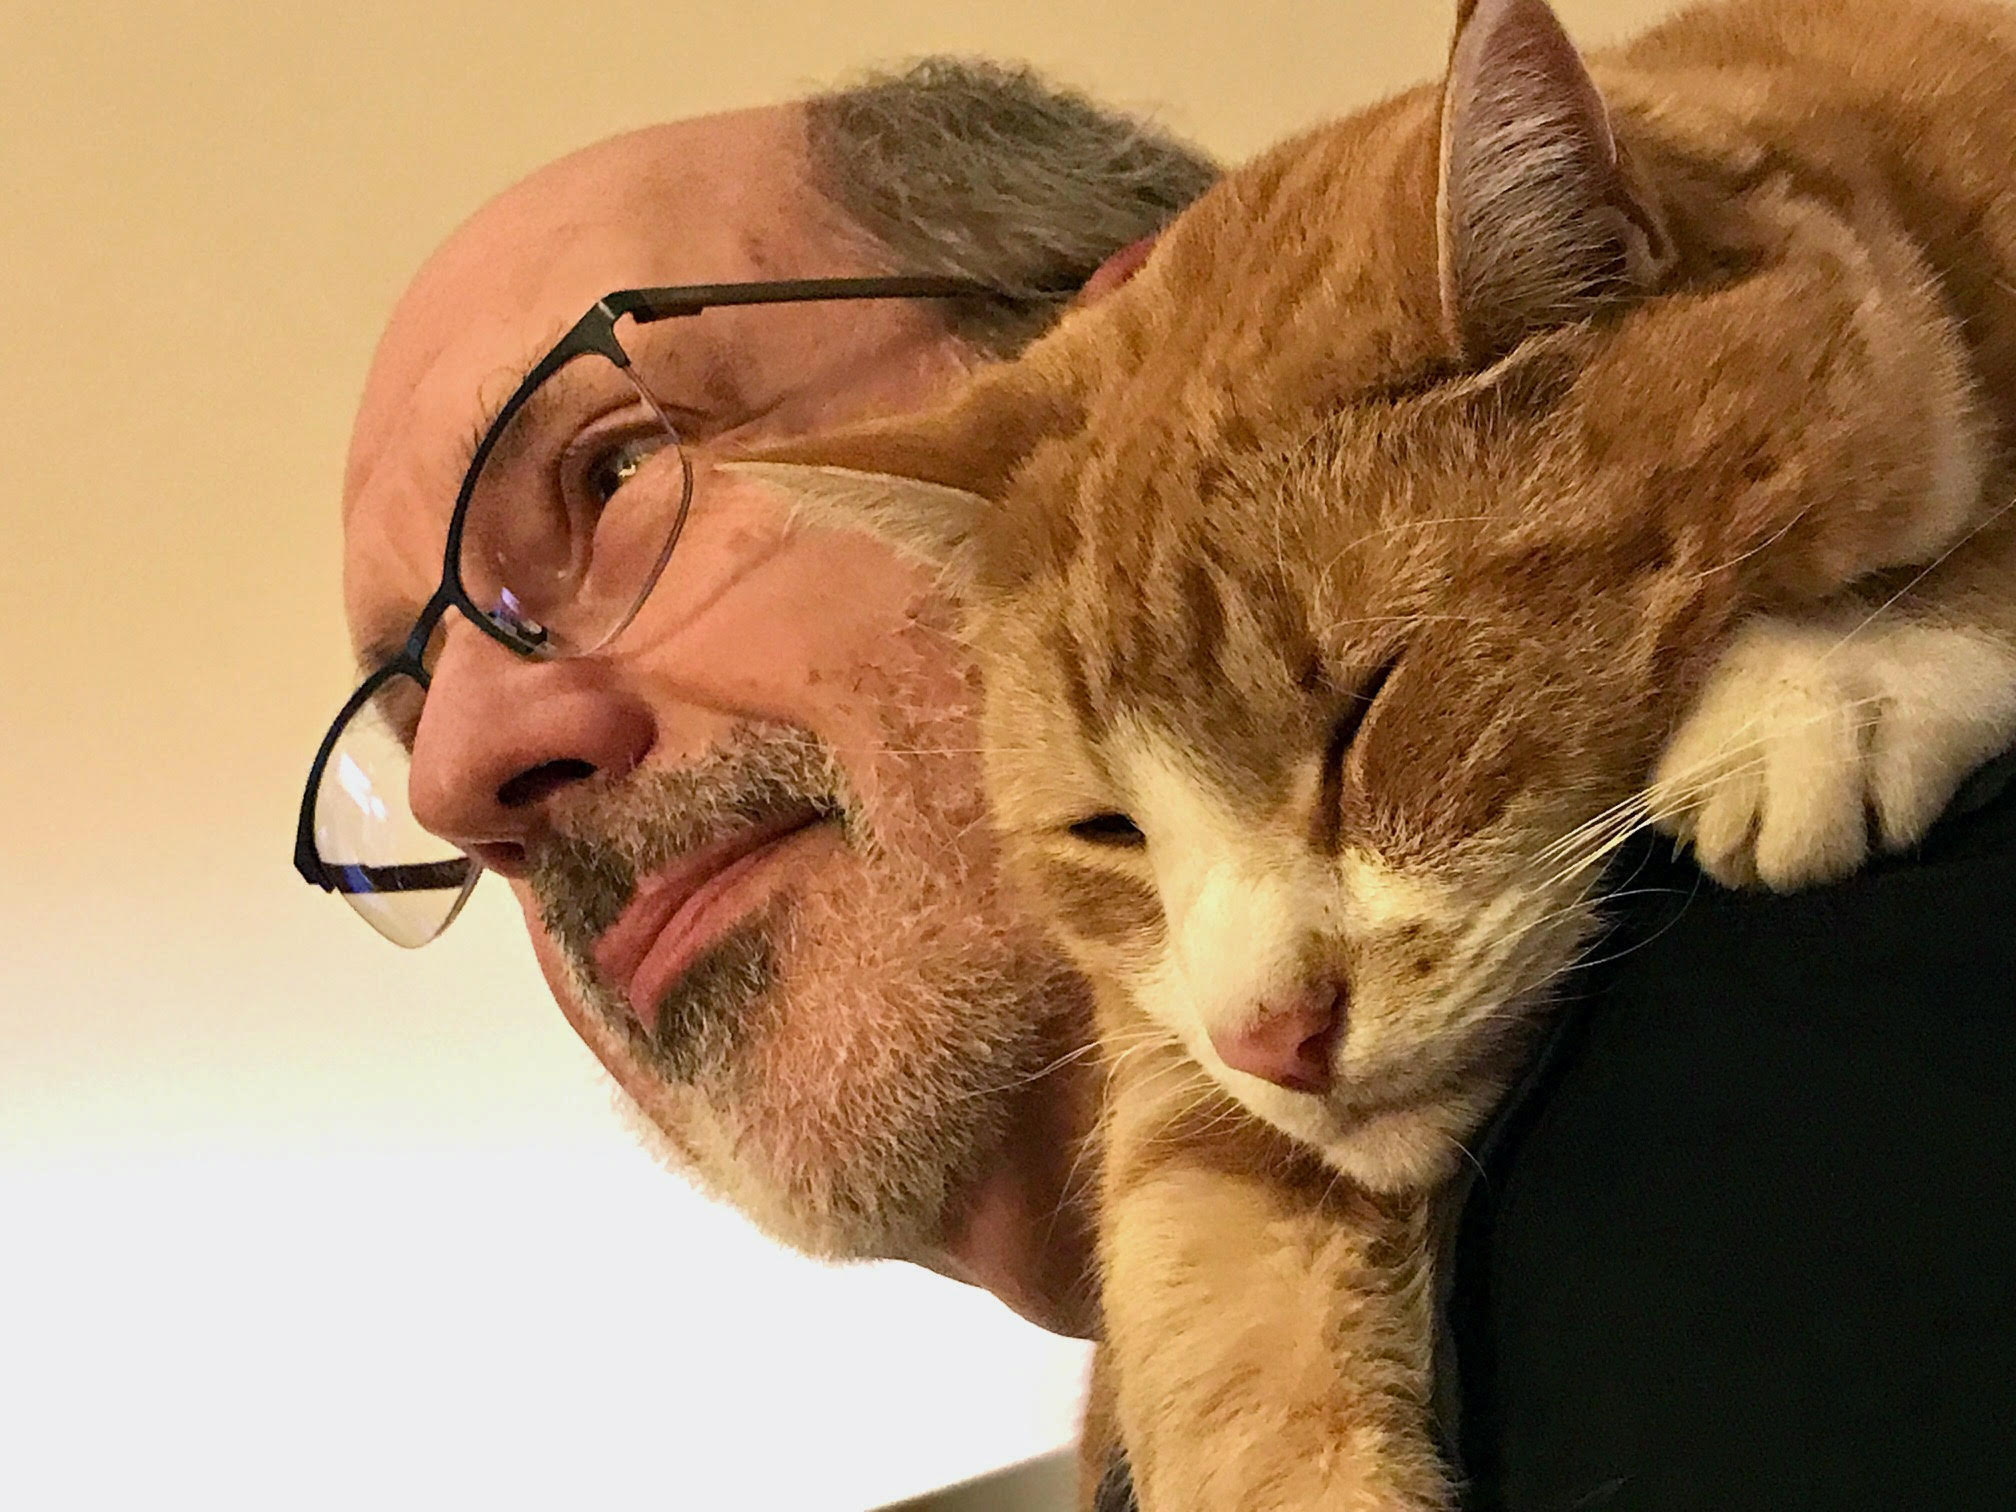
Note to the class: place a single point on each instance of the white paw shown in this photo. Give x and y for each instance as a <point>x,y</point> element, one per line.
<point>1812,735</point>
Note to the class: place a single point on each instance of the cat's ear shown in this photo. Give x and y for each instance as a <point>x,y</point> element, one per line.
<point>935,526</point>
<point>1540,218</point>
<point>926,484</point>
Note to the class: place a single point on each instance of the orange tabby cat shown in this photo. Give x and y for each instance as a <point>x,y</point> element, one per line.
<point>1456,490</point>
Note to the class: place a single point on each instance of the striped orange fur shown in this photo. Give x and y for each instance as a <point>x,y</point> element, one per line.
<point>1457,489</point>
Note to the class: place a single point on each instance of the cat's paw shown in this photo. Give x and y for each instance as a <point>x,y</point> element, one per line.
<point>1813,737</point>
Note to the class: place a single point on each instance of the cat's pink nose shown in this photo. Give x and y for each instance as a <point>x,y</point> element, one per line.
<point>1288,1043</point>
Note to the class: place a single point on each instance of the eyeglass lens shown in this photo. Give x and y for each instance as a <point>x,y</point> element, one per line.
<point>407,883</point>
<point>576,509</point>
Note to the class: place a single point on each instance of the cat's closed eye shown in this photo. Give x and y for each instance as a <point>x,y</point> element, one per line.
<point>1343,731</point>
<point>1112,830</point>
<point>1352,716</point>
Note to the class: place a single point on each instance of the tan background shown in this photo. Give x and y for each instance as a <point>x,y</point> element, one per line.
<point>288,1217</point>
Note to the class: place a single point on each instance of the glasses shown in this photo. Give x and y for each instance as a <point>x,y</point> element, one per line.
<point>557,537</point>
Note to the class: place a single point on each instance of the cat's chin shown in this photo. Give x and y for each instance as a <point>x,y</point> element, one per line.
<point>1403,1147</point>
<point>1397,1144</point>
<point>1399,1149</point>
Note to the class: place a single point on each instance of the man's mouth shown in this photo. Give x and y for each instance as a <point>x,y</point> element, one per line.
<point>677,911</point>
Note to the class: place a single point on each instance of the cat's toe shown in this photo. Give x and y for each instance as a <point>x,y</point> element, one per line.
<point>1948,704</point>
<point>1787,809</point>
<point>1813,828</point>
<point>1720,826</point>
<point>1809,735</point>
<point>1910,785</point>
<point>1761,776</point>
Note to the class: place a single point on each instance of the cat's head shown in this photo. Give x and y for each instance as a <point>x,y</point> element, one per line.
<point>1336,581</point>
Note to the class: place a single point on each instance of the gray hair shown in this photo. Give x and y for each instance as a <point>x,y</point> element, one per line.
<point>980,170</point>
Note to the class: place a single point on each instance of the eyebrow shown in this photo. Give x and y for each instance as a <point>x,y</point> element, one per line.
<point>535,353</point>
<point>381,650</point>
<point>486,421</point>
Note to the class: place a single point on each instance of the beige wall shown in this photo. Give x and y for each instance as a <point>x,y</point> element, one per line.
<point>205,211</point>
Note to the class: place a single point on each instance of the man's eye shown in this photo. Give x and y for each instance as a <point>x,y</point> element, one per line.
<point>617,465</point>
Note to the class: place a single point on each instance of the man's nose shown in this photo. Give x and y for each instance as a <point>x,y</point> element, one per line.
<point>500,735</point>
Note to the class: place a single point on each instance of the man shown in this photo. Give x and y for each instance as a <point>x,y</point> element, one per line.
<point>744,832</point>
<point>872,1056</point>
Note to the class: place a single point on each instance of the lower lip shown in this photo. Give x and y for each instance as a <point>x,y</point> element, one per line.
<point>715,905</point>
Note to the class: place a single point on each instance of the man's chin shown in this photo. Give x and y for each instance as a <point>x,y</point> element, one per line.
<point>1001,1246</point>
<point>862,1067</point>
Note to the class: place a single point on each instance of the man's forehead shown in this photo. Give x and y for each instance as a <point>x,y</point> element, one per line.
<point>689,201</point>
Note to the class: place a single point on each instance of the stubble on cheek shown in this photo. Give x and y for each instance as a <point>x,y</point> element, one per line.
<point>626,831</point>
<point>844,1065</point>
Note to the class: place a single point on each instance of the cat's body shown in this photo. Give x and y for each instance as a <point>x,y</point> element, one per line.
<point>1455,489</point>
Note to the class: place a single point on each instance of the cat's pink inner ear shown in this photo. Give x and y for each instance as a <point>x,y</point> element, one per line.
<point>1539,220</point>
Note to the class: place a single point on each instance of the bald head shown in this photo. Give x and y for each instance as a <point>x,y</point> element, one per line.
<point>711,200</point>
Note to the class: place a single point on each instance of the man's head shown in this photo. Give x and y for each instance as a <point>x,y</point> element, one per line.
<point>746,835</point>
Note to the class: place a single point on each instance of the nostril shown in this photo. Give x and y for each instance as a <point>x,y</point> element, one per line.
<point>1289,1044</point>
<point>541,781</point>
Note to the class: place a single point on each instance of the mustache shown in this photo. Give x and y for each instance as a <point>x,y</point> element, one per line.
<point>612,836</point>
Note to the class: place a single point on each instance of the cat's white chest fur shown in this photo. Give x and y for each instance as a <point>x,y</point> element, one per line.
<point>1813,736</point>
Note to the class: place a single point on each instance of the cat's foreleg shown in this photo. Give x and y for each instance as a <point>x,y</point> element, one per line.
<point>1267,1327</point>
<point>1105,1482</point>
<point>1820,735</point>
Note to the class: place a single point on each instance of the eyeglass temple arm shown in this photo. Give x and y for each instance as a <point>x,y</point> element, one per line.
<point>648,305</point>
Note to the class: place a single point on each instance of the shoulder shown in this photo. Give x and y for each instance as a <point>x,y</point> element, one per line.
<point>1750,1223</point>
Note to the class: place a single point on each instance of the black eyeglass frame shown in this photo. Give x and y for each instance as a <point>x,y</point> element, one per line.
<point>593,334</point>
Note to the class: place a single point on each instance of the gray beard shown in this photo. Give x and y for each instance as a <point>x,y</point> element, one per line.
<point>585,881</point>
<point>704,1015</point>
<point>843,1065</point>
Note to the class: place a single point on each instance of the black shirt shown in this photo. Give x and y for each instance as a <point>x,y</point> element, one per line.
<point>1747,1237</point>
